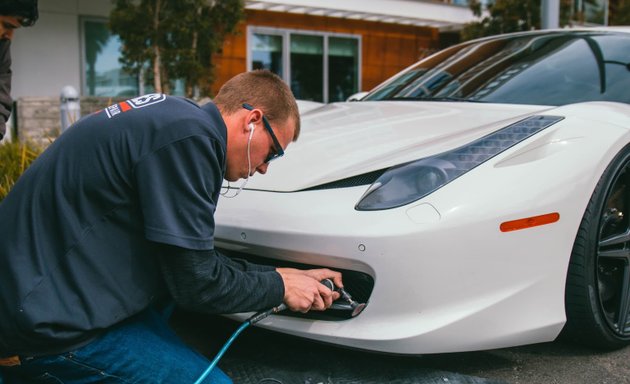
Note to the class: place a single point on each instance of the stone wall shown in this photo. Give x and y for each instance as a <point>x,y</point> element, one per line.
<point>38,119</point>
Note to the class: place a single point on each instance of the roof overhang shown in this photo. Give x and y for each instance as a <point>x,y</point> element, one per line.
<point>444,17</point>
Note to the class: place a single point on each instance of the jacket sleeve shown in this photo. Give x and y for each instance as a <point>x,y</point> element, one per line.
<point>6,102</point>
<point>207,281</point>
<point>5,85</point>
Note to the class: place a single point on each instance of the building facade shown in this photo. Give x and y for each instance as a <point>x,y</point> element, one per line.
<point>325,49</point>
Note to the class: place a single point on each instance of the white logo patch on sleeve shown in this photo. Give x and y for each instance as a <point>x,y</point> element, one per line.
<point>146,100</point>
<point>135,103</point>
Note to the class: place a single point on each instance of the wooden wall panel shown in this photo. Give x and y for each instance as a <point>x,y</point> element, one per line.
<point>386,48</point>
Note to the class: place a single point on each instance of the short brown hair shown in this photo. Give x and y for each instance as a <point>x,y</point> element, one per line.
<point>25,9</point>
<point>264,90</point>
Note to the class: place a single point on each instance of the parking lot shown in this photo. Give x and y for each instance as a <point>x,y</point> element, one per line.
<point>260,356</point>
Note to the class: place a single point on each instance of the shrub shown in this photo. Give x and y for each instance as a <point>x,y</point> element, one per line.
<point>14,159</point>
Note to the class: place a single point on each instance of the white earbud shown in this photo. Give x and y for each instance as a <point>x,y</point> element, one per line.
<point>251,130</point>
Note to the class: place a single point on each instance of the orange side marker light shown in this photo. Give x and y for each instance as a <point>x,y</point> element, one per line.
<point>529,222</point>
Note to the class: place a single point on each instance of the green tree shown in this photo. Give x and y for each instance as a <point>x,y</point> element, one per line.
<point>620,12</point>
<point>175,38</point>
<point>504,16</point>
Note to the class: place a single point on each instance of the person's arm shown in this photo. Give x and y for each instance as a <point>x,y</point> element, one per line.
<point>210,282</point>
<point>179,185</point>
<point>206,281</point>
<point>243,264</point>
<point>6,102</point>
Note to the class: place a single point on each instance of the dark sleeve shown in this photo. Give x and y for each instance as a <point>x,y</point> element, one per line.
<point>207,281</point>
<point>244,265</point>
<point>6,102</point>
<point>178,187</point>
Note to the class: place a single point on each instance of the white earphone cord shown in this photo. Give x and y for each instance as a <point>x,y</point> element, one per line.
<point>249,168</point>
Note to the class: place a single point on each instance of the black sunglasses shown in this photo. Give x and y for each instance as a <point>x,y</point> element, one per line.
<point>276,143</point>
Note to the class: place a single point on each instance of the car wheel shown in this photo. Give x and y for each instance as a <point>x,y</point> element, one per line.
<point>598,281</point>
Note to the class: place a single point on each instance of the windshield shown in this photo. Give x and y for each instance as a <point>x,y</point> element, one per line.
<point>543,69</point>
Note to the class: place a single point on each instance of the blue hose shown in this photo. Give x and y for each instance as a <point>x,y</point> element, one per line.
<point>221,352</point>
<point>252,320</point>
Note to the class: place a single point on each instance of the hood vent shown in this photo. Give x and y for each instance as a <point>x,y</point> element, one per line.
<point>354,181</point>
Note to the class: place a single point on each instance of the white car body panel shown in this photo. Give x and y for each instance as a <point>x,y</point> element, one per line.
<point>378,135</point>
<point>308,105</point>
<point>437,288</point>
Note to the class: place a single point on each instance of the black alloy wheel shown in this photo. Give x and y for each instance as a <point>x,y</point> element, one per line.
<point>597,292</point>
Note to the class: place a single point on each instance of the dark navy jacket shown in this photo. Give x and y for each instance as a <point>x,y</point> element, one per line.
<point>82,226</point>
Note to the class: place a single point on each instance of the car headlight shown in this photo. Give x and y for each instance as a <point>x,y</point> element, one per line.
<point>406,183</point>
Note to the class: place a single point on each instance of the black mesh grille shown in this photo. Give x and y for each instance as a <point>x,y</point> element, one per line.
<point>357,284</point>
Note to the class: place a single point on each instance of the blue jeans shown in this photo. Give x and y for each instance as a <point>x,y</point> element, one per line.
<point>141,350</point>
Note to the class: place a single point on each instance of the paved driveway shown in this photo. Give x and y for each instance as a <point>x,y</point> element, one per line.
<point>558,362</point>
<point>265,357</point>
<point>260,356</point>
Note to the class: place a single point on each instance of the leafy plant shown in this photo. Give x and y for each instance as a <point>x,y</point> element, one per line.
<point>14,159</point>
<point>177,38</point>
<point>504,16</point>
<point>620,12</point>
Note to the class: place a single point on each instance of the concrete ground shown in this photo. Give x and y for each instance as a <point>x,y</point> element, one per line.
<point>558,362</point>
<point>260,356</point>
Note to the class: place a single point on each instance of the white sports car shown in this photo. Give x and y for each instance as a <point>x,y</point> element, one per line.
<point>479,199</point>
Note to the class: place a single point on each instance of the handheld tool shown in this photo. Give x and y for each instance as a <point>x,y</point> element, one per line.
<point>345,301</point>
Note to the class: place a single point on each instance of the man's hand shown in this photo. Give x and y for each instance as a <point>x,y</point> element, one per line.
<point>303,290</point>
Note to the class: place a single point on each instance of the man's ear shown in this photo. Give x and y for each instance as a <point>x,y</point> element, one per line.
<point>255,116</point>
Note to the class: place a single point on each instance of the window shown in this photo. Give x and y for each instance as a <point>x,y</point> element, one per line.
<point>307,67</point>
<point>343,62</point>
<point>102,73</point>
<point>267,53</point>
<point>322,67</point>
<point>534,69</point>
<point>593,12</point>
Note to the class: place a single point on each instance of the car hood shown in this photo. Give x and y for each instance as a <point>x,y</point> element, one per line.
<point>341,140</point>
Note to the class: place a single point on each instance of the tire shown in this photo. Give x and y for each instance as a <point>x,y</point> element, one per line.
<point>597,295</point>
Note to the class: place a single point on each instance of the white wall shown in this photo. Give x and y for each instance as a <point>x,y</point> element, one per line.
<point>47,56</point>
